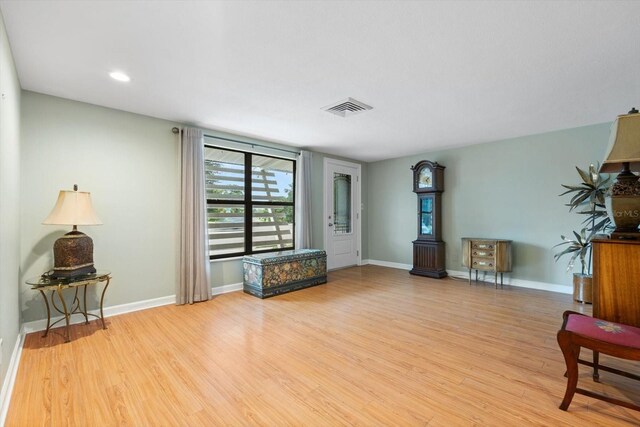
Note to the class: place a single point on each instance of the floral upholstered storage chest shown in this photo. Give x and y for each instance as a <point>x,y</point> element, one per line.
<point>275,273</point>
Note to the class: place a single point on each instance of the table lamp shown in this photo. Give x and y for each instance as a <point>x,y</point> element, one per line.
<point>623,155</point>
<point>73,252</point>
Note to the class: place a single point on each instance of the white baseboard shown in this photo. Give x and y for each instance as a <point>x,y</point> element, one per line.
<point>10,379</point>
<point>224,289</point>
<point>512,281</point>
<point>508,280</point>
<point>41,325</point>
<point>397,265</point>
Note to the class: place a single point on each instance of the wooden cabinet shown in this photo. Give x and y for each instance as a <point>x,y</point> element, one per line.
<point>492,255</point>
<point>616,280</point>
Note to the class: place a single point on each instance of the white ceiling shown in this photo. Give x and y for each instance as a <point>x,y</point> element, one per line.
<point>438,74</point>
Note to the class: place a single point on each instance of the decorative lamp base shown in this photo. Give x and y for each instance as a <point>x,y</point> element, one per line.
<point>73,255</point>
<point>626,212</point>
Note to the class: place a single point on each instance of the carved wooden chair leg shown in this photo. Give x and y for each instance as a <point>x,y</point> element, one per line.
<point>596,362</point>
<point>600,336</point>
<point>570,353</point>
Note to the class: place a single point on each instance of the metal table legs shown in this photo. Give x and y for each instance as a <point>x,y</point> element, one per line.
<point>75,308</point>
<point>495,279</point>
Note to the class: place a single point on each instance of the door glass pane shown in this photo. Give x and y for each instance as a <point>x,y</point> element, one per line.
<point>226,229</point>
<point>271,179</point>
<point>341,203</point>
<point>272,227</point>
<point>426,216</point>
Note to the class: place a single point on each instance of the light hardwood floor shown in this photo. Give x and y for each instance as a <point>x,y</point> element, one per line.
<point>375,346</point>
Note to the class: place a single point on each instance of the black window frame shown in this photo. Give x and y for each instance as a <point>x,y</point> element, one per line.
<point>248,205</point>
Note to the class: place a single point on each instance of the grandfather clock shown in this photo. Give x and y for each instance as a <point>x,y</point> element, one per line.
<point>428,248</point>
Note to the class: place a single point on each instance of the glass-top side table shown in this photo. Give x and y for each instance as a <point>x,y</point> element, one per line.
<point>45,283</point>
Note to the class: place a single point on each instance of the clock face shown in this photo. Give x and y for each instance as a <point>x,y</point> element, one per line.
<point>425,178</point>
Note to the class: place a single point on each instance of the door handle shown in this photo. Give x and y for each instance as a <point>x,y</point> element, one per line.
<point>330,225</point>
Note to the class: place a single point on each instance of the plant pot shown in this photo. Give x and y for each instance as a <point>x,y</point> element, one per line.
<point>582,288</point>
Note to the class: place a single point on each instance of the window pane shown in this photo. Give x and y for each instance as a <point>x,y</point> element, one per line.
<point>223,174</point>
<point>272,227</point>
<point>341,203</point>
<point>271,206</point>
<point>226,229</point>
<point>272,179</point>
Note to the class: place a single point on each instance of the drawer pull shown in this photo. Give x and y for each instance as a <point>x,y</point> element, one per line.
<point>482,263</point>
<point>482,253</point>
<point>482,246</point>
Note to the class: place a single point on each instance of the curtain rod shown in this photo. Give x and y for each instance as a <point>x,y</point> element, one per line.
<point>252,144</point>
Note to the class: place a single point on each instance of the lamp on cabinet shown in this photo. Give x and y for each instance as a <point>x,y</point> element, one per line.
<point>73,252</point>
<point>623,156</point>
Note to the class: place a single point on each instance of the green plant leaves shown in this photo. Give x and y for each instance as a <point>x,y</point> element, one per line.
<point>587,198</point>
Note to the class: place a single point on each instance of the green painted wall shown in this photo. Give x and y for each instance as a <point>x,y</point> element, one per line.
<point>9,203</point>
<point>505,189</point>
<point>131,165</point>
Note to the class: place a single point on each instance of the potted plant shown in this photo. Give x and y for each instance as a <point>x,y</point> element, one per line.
<point>587,199</point>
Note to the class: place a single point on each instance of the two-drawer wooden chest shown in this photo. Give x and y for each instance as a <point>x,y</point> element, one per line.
<point>492,255</point>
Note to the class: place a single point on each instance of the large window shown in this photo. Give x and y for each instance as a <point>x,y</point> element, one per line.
<point>250,202</point>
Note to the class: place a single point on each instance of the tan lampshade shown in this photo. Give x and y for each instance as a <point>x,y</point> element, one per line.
<point>624,144</point>
<point>73,208</point>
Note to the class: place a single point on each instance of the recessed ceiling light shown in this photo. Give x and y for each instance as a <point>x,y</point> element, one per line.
<point>121,77</point>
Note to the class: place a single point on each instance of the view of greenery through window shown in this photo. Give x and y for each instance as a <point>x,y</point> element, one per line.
<point>241,220</point>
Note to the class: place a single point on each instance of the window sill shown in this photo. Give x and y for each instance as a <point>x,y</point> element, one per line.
<point>235,258</point>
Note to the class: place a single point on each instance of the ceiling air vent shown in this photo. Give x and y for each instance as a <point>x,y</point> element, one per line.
<point>347,107</point>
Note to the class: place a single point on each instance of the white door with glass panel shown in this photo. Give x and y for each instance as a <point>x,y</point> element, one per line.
<point>342,213</point>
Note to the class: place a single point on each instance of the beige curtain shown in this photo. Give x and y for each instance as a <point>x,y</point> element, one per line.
<point>194,253</point>
<point>303,200</point>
